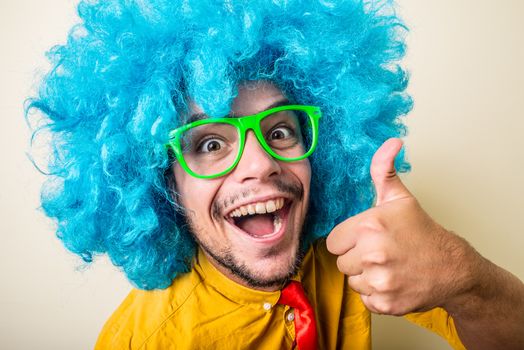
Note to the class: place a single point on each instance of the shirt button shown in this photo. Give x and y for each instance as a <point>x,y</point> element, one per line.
<point>290,316</point>
<point>267,306</point>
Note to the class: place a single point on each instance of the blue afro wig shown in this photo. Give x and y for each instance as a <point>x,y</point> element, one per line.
<point>119,84</point>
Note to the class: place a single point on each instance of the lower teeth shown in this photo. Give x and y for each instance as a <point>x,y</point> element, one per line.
<point>277,223</point>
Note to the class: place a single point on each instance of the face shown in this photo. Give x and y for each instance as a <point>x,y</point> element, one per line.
<point>260,250</point>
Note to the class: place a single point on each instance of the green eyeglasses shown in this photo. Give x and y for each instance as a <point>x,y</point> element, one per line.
<point>211,148</point>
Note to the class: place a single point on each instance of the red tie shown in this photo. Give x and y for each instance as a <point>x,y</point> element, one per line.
<point>305,327</point>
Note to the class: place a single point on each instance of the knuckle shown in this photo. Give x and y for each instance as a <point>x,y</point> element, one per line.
<point>379,257</point>
<point>333,243</point>
<point>374,223</point>
<point>384,284</point>
<point>382,306</point>
<point>336,239</point>
<point>340,264</point>
<point>330,245</point>
<point>368,302</point>
<point>351,281</point>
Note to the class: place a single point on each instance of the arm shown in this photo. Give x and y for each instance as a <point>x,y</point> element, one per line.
<point>401,261</point>
<point>490,314</point>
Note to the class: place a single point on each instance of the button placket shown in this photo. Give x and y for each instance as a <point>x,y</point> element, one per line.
<point>290,326</point>
<point>267,306</point>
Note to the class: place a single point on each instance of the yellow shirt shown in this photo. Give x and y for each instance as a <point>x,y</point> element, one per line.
<point>203,309</point>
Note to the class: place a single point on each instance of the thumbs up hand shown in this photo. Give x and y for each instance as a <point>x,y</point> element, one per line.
<point>395,255</point>
<point>387,183</point>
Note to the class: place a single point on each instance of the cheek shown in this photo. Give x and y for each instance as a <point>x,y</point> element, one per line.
<point>307,174</point>
<point>302,172</point>
<point>195,195</point>
<point>306,178</point>
<point>180,180</point>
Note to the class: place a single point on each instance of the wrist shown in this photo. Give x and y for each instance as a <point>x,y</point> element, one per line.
<point>469,279</point>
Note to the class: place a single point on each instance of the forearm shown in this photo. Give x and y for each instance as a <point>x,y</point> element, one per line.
<point>490,314</point>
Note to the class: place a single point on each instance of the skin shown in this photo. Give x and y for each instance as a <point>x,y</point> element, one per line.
<point>249,262</point>
<point>400,260</point>
<point>395,255</point>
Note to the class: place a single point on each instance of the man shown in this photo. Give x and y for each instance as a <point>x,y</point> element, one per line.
<point>147,173</point>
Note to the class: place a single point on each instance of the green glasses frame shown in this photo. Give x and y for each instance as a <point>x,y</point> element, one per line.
<point>243,124</point>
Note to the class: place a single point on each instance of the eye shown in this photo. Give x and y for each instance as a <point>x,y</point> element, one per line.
<point>280,132</point>
<point>210,145</point>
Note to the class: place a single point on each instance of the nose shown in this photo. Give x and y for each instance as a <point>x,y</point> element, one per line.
<point>255,163</point>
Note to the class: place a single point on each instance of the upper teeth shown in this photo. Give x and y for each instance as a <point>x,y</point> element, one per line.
<point>258,208</point>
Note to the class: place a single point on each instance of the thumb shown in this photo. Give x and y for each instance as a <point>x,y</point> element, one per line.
<point>387,183</point>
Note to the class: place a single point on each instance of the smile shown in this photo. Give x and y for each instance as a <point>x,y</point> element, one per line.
<point>258,208</point>
<point>264,221</point>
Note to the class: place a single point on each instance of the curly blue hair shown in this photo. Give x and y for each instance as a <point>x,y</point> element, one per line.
<point>118,85</point>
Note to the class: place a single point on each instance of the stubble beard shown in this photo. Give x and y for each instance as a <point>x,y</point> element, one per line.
<point>227,259</point>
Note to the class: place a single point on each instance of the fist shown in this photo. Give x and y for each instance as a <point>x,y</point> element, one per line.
<point>395,255</point>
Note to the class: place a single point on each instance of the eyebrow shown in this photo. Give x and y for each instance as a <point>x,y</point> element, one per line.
<point>199,116</point>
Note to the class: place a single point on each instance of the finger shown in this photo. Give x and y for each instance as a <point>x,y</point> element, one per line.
<point>350,263</point>
<point>342,238</point>
<point>366,299</point>
<point>367,303</point>
<point>359,284</point>
<point>384,305</point>
<point>387,183</point>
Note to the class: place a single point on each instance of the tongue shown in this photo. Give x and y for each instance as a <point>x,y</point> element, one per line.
<point>257,225</point>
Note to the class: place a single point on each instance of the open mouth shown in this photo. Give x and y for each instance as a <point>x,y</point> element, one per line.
<point>263,220</point>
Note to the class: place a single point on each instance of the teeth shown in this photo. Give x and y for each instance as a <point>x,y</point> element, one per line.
<point>258,208</point>
<point>277,223</point>
<point>271,206</point>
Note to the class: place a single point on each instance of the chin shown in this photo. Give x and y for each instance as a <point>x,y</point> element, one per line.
<point>273,270</point>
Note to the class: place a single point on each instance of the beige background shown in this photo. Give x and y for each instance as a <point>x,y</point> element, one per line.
<point>465,145</point>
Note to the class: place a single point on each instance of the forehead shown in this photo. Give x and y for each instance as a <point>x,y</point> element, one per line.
<point>254,97</point>
<point>251,98</point>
